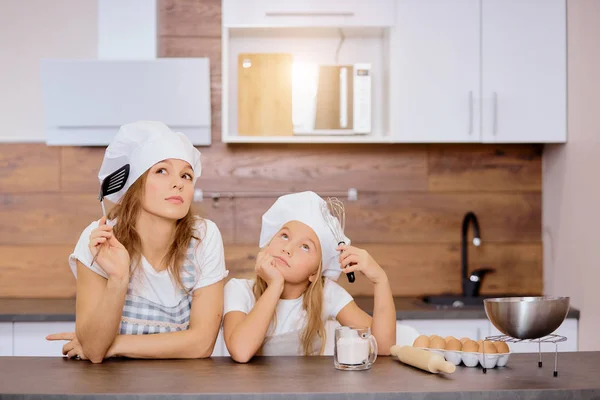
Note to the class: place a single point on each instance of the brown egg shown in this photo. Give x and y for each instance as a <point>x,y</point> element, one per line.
<point>464,340</point>
<point>421,341</point>
<point>448,338</point>
<point>437,343</point>
<point>453,345</point>
<point>488,346</point>
<point>434,336</point>
<point>470,347</point>
<point>502,347</point>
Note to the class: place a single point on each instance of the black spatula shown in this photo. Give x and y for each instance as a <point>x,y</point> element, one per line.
<point>113,183</point>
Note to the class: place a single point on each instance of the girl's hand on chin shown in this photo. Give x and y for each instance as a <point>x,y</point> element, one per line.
<point>266,269</point>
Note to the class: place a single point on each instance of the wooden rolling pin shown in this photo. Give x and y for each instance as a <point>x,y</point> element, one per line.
<point>422,359</point>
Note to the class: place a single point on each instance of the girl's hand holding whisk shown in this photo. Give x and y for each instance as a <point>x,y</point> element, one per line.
<point>355,259</point>
<point>110,254</point>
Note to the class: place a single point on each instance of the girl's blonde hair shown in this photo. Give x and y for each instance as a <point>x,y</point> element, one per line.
<point>127,212</point>
<point>312,304</point>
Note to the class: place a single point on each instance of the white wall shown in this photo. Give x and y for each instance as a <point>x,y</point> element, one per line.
<point>571,187</point>
<point>31,30</point>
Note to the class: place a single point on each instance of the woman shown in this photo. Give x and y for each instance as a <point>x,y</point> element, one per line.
<point>155,289</point>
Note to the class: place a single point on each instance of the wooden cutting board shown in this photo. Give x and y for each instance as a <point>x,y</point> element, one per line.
<point>265,94</point>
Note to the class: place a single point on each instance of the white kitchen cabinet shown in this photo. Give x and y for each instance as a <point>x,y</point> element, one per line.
<point>30,338</point>
<point>472,328</point>
<point>524,65</point>
<point>330,338</point>
<point>569,329</point>
<point>478,71</point>
<point>6,338</point>
<point>435,52</point>
<point>315,32</point>
<point>318,13</point>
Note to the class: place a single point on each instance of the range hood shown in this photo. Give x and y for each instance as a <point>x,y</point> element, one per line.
<point>85,101</point>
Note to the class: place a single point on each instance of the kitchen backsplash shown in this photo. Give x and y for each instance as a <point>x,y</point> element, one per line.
<point>411,198</point>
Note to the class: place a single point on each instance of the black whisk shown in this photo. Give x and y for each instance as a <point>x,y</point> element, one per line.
<point>335,216</point>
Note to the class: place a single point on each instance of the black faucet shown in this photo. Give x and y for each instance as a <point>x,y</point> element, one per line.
<point>472,283</point>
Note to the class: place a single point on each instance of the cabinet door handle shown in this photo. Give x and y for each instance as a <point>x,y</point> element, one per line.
<point>495,120</point>
<point>309,14</point>
<point>470,113</point>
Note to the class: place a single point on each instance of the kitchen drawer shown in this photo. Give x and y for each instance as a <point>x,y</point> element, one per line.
<point>569,329</point>
<point>472,328</point>
<point>307,13</point>
<point>30,338</point>
<point>6,338</point>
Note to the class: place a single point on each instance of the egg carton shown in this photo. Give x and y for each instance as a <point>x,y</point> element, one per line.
<point>470,359</point>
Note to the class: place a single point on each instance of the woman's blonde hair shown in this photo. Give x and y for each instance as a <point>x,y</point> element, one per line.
<point>127,212</point>
<point>312,304</point>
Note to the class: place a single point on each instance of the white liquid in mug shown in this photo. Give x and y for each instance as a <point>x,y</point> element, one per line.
<point>352,350</point>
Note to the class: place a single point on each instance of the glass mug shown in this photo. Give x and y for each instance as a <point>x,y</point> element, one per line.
<point>354,349</point>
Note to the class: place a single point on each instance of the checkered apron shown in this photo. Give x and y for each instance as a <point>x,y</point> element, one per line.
<point>141,316</point>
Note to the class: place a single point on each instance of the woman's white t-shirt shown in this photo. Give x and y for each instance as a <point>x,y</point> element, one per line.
<point>154,302</point>
<point>290,315</point>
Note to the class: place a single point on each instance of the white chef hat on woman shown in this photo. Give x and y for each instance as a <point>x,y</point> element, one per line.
<point>305,207</point>
<point>141,145</point>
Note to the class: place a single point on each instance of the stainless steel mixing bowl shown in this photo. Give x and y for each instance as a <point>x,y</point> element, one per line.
<point>527,317</point>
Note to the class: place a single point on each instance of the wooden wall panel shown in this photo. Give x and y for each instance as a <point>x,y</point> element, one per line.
<point>411,198</point>
<point>276,168</point>
<point>79,168</point>
<point>485,168</point>
<point>413,270</point>
<point>29,168</point>
<point>419,269</point>
<point>60,218</point>
<point>189,18</point>
<point>222,213</point>
<point>46,219</point>
<point>34,271</point>
<point>423,217</point>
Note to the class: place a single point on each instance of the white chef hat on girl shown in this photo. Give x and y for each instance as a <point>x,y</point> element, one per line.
<point>304,207</point>
<point>141,145</point>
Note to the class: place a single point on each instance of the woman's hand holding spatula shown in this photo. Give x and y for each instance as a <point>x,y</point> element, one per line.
<point>110,254</point>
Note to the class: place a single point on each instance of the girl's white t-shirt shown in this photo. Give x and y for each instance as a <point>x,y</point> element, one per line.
<point>290,315</point>
<point>157,286</point>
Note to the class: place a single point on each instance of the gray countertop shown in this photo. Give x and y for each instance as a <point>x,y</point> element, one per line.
<point>54,310</point>
<point>295,378</point>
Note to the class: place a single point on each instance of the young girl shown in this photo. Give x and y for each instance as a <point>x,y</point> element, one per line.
<point>155,289</point>
<point>283,311</point>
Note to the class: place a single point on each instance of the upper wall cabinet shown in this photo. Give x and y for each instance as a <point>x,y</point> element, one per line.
<point>394,71</point>
<point>313,71</point>
<point>317,13</point>
<point>479,71</point>
<point>524,71</point>
<point>435,49</point>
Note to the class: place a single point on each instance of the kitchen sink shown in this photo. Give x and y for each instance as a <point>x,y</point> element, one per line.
<point>461,301</point>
